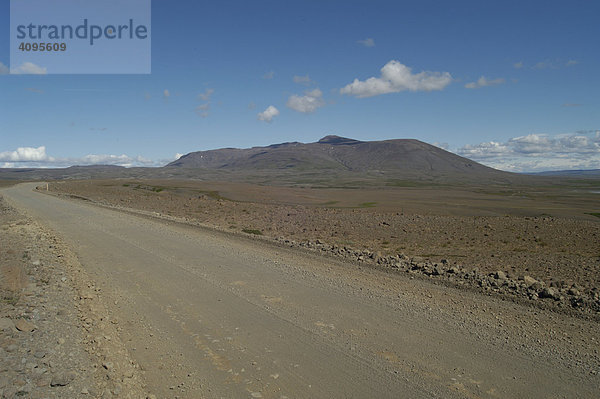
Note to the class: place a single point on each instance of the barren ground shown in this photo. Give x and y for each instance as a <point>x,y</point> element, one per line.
<point>187,312</point>
<point>550,234</point>
<point>56,338</point>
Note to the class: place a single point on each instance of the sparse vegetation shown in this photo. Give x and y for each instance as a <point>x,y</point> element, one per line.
<point>156,189</point>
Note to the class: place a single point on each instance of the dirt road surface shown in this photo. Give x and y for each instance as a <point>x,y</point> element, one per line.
<point>211,315</point>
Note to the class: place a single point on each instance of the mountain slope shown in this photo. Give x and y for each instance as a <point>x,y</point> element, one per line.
<point>337,153</point>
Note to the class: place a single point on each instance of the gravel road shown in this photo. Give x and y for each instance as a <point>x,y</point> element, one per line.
<point>211,315</point>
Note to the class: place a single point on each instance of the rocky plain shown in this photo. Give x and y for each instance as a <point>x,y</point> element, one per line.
<point>511,247</point>
<point>67,331</point>
<point>57,339</point>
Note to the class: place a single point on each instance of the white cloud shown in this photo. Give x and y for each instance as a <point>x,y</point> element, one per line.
<point>28,68</point>
<point>308,103</point>
<point>397,77</point>
<point>24,154</point>
<point>269,75</point>
<point>105,159</point>
<point>369,42</point>
<point>490,149</point>
<point>484,82</point>
<point>572,62</point>
<point>518,65</point>
<point>31,157</point>
<point>303,80</point>
<point>537,152</point>
<point>3,69</point>
<point>166,94</point>
<point>206,95</point>
<point>268,114</point>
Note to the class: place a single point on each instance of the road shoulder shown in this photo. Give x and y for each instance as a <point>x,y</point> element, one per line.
<point>56,339</point>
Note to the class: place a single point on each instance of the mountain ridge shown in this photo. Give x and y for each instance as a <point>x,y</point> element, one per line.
<point>337,153</point>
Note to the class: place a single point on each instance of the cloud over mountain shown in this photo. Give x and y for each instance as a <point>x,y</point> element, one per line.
<point>396,77</point>
<point>268,114</point>
<point>308,103</point>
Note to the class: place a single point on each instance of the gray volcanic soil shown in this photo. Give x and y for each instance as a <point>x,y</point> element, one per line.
<point>556,259</point>
<point>208,314</point>
<point>56,338</point>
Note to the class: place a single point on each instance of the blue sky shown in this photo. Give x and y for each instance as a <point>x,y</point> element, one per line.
<point>512,84</point>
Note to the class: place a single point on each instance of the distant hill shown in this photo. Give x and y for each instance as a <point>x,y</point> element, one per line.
<point>339,154</point>
<point>332,161</point>
<point>592,173</point>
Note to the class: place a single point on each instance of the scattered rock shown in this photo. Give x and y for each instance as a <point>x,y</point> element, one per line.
<point>44,310</point>
<point>25,326</point>
<point>549,292</point>
<point>43,381</point>
<point>529,281</point>
<point>62,379</point>
<point>500,275</point>
<point>537,286</point>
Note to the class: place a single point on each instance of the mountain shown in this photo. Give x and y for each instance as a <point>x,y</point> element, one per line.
<point>338,154</point>
<point>333,161</point>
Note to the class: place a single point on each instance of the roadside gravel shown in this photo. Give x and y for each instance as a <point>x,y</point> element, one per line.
<point>56,339</point>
